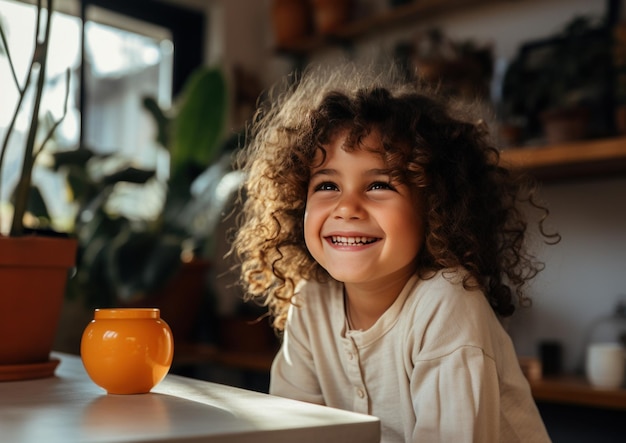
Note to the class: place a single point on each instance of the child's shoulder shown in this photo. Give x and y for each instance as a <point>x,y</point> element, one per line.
<point>444,291</point>
<point>442,315</point>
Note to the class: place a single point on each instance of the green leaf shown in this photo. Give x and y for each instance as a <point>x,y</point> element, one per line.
<point>198,126</point>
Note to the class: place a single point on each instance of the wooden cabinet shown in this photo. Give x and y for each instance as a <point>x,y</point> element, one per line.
<point>595,158</point>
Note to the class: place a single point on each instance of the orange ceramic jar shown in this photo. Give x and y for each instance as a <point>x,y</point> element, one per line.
<point>127,351</point>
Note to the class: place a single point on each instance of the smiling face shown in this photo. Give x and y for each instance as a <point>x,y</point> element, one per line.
<point>360,226</point>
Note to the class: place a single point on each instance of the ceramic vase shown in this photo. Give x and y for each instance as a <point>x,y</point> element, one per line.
<point>127,350</point>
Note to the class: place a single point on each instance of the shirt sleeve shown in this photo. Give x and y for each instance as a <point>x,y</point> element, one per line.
<point>293,373</point>
<point>456,398</point>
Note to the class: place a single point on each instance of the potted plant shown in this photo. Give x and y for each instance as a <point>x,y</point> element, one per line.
<point>34,264</point>
<point>120,260</point>
<point>556,85</point>
<point>157,261</point>
<point>460,68</point>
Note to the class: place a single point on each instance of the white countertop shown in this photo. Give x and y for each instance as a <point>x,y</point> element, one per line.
<point>69,407</point>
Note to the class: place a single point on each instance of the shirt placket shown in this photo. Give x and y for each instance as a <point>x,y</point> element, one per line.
<point>360,397</point>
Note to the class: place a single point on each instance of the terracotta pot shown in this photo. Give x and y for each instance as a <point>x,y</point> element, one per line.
<point>330,15</point>
<point>563,125</point>
<point>33,276</point>
<point>292,20</point>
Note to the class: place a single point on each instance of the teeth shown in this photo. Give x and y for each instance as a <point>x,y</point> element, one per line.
<point>340,240</point>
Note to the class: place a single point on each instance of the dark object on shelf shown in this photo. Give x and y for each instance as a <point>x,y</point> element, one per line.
<point>394,3</point>
<point>619,67</point>
<point>620,119</point>
<point>551,355</point>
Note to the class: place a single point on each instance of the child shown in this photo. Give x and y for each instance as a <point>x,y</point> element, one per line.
<point>386,241</point>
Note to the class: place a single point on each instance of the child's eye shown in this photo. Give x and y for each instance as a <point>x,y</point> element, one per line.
<point>381,185</point>
<point>326,186</point>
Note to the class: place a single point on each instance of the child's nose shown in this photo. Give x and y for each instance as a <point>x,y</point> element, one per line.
<point>349,207</point>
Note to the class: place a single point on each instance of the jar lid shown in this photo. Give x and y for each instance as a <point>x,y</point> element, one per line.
<point>124,313</point>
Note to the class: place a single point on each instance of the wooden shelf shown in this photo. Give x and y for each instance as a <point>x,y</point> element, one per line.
<point>413,12</point>
<point>574,160</point>
<point>591,158</point>
<point>576,391</point>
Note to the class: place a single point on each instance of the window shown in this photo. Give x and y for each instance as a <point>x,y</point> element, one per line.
<point>131,49</point>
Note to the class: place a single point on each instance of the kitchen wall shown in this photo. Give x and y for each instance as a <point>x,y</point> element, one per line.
<point>585,274</point>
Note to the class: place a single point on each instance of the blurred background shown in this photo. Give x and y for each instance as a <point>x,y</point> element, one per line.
<point>148,202</point>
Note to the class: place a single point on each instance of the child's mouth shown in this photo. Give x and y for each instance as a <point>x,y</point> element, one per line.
<point>351,241</point>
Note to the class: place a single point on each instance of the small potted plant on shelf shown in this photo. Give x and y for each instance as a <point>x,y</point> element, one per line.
<point>460,68</point>
<point>556,85</point>
<point>34,263</point>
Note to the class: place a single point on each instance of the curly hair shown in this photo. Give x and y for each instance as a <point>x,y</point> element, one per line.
<point>473,218</point>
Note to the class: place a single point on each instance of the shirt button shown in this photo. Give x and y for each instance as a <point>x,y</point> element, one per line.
<point>360,393</point>
<point>350,356</point>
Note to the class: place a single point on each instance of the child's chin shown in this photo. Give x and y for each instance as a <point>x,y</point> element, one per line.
<point>349,277</point>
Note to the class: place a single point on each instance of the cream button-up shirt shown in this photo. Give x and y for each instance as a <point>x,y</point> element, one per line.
<point>437,366</point>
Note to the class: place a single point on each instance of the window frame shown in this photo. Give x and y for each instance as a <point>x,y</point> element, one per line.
<point>186,25</point>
